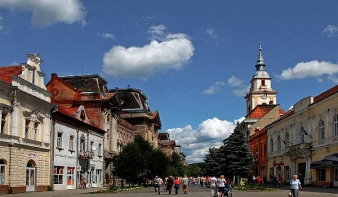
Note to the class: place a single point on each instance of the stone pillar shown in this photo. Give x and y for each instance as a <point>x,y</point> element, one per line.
<point>308,178</point>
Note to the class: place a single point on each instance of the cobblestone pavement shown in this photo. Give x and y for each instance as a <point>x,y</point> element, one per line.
<point>194,191</point>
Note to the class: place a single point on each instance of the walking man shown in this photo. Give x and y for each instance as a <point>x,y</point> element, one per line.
<point>213,186</point>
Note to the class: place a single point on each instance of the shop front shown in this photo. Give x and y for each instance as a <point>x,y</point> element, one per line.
<point>325,172</point>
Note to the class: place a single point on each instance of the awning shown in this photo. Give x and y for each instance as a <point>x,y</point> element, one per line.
<point>328,161</point>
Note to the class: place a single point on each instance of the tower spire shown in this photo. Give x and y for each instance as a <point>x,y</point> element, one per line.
<point>260,64</point>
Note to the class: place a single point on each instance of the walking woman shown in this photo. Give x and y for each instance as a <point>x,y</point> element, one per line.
<point>295,186</point>
<point>177,184</point>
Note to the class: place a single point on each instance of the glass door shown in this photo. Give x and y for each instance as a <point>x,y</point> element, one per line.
<point>30,179</point>
<point>71,178</point>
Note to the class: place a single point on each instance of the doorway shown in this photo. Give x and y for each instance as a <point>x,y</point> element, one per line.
<point>30,176</point>
<point>301,172</point>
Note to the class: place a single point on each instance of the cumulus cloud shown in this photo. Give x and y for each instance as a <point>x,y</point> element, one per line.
<point>107,35</point>
<point>235,82</point>
<point>46,13</point>
<point>214,88</point>
<point>167,52</point>
<point>331,30</point>
<point>240,89</point>
<point>310,69</point>
<point>196,143</point>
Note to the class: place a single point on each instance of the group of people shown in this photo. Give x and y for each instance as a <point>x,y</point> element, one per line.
<point>220,187</point>
<point>169,183</point>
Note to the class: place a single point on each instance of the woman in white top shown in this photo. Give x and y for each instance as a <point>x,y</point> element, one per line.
<point>221,185</point>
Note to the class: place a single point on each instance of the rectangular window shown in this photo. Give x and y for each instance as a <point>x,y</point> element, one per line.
<point>36,129</point>
<point>27,125</point>
<point>321,174</point>
<point>99,150</point>
<point>91,146</point>
<point>71,142</point>
<point>263,82</point>
<point>3,123</point>
<point>59,140</point>
<point>58,175</point>
<point>2,174</point>
<point>70,176</point>
<point>82,145</point>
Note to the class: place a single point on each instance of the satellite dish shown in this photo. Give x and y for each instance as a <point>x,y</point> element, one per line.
<point>94,148</point>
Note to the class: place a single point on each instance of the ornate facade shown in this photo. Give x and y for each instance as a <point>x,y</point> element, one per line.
<point>25,128</point>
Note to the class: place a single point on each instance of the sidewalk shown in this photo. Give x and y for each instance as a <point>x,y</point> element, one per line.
<point>193,191</point>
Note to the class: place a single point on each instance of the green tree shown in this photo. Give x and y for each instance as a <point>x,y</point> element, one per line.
<point>239,158</point>
<point>175,167</point>
<point>212,162</point>
<point>193,170</point>
<point>130,163</point>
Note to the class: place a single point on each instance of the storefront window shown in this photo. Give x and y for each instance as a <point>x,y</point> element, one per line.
<point>321,174</point>
<point>58,174</point>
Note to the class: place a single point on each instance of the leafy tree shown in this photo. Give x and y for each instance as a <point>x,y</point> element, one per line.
<point>193,170</point>
<point>175,167</point>
<point>212,161</point>
<point>130,163</point>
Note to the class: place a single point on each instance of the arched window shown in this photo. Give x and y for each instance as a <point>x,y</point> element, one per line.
<point>321,130</point>
<point>279,143</point>
<point>335,125</point>
<point>302,135</point>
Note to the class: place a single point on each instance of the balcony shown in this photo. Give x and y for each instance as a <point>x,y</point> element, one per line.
<point>86,155</point>
<point>110,154</point>
<point>299,150</point>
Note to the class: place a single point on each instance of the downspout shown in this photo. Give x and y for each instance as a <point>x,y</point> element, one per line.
<point>52,153</point>
<point>77,161</point>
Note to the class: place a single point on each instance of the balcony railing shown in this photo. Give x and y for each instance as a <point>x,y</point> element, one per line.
<point>86,154</point>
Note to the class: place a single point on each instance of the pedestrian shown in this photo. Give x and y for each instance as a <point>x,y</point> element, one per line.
<point>170,183</point>
<point>280,180</point>
<point>185,182</point>
<point>213,186</point>
<point>295,186</point>
<point>259,181</point>
<point>204,181</point>
<point>177,184</point>
<point>159,185</point>
<point>221,185</point>
<point>155,182</point>
<point>84,183</point>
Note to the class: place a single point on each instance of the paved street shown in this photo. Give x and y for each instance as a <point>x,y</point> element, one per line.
<point>193,192</point>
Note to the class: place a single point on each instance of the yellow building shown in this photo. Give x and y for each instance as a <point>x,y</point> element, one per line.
<point>305,141</point>
<point>25,128</point>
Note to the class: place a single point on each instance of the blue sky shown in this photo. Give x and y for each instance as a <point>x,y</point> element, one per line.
<point>193,59</point>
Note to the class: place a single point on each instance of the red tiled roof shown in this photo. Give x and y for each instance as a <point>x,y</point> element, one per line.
<point>7,72</point>
<point>70,112</point>
<point>326,94</point>
<point>260,111</point>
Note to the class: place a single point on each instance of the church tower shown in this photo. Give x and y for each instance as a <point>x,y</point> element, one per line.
<point>261,92</point>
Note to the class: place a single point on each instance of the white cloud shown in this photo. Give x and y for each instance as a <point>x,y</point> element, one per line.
<point>213,35</point>
<point>310,69</point>
<point>214,88</point>
<point>107,35</point>
<point>196,143</point>
<point>46,13</point>
<point>172,53</point>
<point>331,30</point>
<point>240,89</point>
<point>235,82</point>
